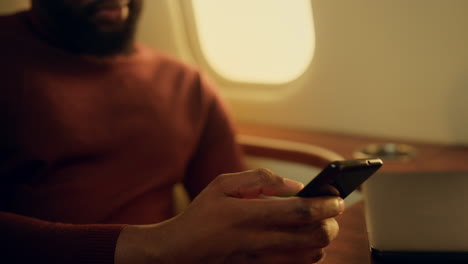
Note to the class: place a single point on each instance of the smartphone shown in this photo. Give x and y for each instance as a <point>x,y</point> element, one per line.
<point>340,178</point>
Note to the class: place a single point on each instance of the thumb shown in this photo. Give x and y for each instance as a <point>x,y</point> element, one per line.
<point>253,183</point>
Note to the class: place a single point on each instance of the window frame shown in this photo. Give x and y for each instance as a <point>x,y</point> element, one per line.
<point>239,89</point>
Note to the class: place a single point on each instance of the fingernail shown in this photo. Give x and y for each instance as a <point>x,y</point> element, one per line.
<point>341,205</point>
<point>293,184</point>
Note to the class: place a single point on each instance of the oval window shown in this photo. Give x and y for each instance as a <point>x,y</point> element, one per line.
<point>256,41</point>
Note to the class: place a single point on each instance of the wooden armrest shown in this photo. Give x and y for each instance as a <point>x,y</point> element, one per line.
<point>285,150</point>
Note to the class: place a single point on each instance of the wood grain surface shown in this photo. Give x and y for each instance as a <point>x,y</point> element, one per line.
<point>351,246</point>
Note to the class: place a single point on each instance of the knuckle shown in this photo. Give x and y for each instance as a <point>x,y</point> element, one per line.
<point>308,257</point>
<point>295,242</point>
<point>267,176</point>
<point>223,182</point>
<point>303,212</point>
<point>323,240</point>
<point>317,256</point>
<point>221,178</point>
<point>306,212</point>
<point>324,234</point>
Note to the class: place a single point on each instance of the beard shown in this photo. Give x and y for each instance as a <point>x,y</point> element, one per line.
<point>75,29</point>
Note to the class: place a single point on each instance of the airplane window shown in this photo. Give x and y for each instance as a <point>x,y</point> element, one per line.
<point>13,6</point>
<point>261,41</point>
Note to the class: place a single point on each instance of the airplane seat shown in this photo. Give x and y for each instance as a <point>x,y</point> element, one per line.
<point>294,160</point>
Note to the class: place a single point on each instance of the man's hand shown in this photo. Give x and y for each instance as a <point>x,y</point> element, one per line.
<point>229,222</point>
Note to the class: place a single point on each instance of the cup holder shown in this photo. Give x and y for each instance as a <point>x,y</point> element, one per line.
<point>386,151</point>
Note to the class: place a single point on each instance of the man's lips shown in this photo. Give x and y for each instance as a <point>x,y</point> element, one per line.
<point>102,4</point>
<point>112,12</point>
<point>117,14</point>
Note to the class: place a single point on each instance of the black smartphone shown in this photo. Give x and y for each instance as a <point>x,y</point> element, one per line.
<point>340,178</point>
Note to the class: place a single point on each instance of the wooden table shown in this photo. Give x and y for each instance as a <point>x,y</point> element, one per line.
<point>351,245</point>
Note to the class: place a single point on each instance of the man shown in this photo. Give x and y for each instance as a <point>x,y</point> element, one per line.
<point>96,130</point>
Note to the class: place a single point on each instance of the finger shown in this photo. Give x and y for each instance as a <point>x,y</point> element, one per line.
<point>253,183</point>
<point>278,256</point>
<point>311,237</point>
<point>303,257</point>
<point>296,257</point>
<point>325,232</point>
<point>290,211</point>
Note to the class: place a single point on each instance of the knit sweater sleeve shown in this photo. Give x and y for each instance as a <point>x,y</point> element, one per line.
<point>217,151</point>
<point>29,240</point>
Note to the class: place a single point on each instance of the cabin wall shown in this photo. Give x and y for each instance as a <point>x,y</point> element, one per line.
<point>393,69</point>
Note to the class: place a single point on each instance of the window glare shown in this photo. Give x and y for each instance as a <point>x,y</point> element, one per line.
<point>260,41</point>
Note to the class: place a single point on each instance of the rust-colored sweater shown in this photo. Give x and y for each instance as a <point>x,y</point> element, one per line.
<point>87,145</point>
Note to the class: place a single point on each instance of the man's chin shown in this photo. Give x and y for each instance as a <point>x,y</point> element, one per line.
<point>107,34</point>
<point>107,28</point>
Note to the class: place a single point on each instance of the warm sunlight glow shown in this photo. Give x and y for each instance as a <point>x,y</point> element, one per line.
<point>259,41</point>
